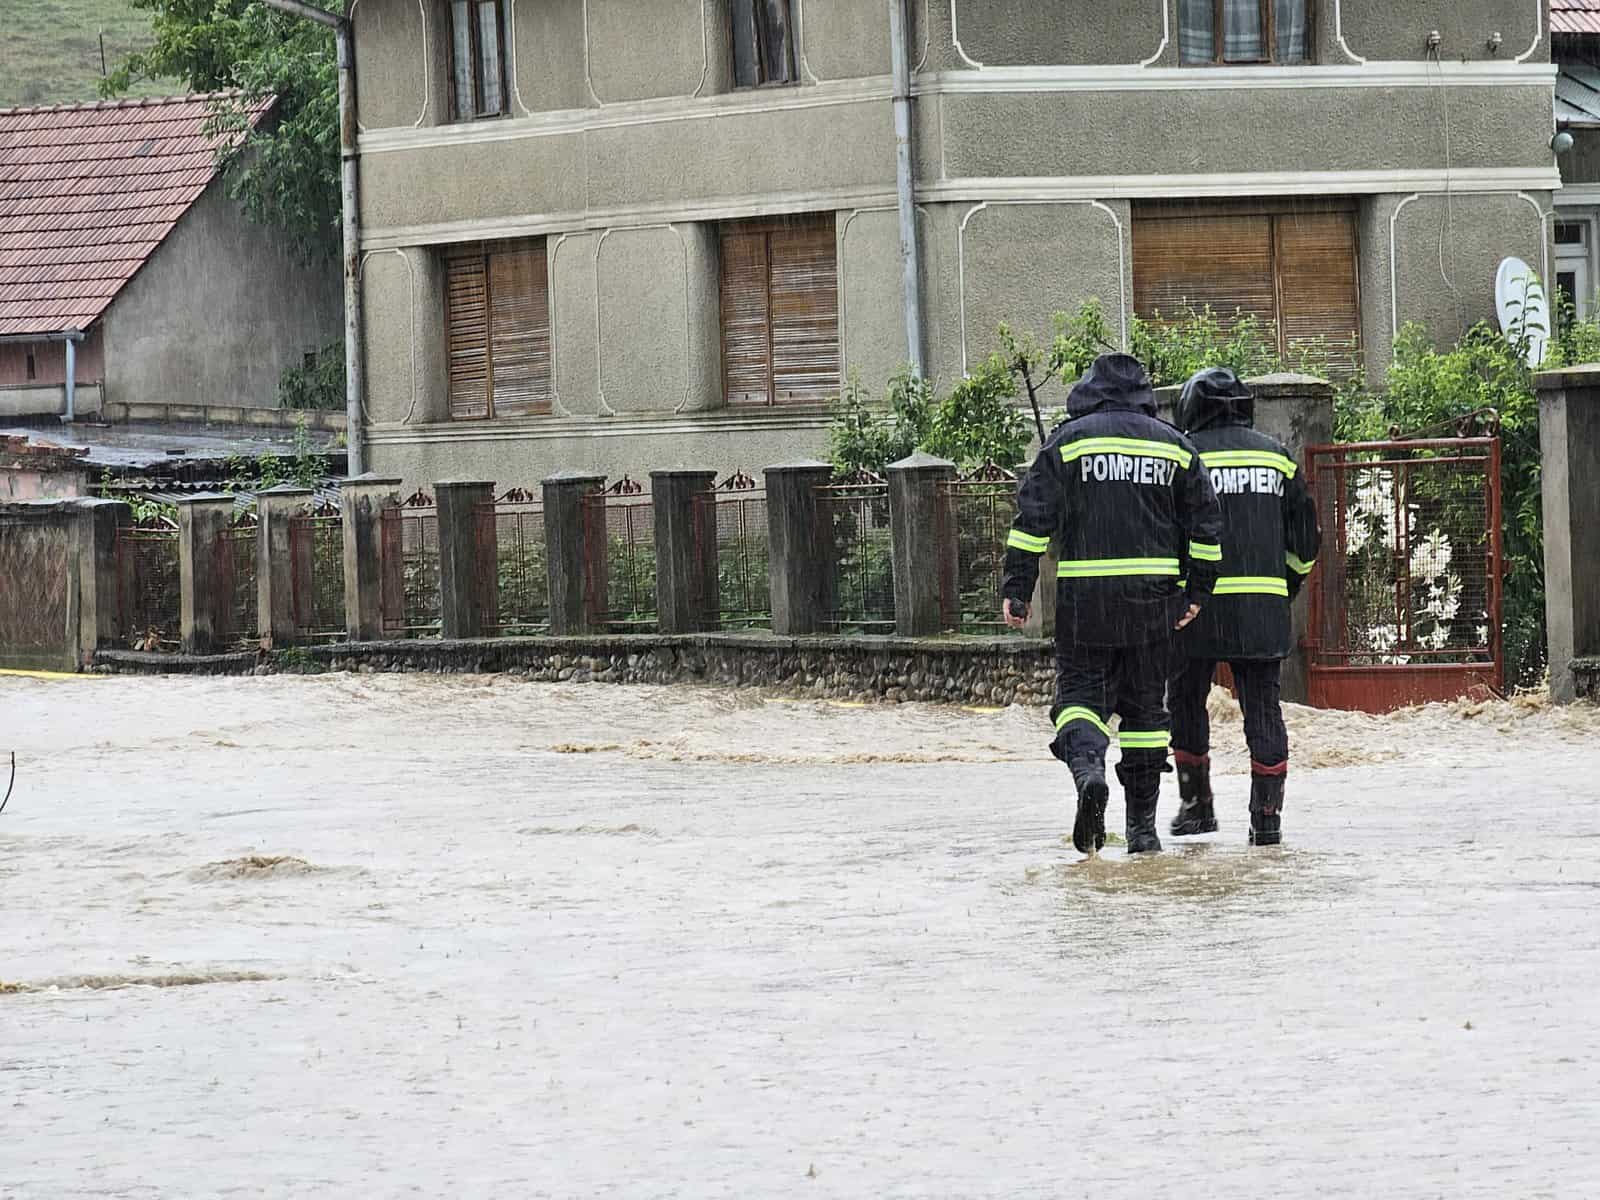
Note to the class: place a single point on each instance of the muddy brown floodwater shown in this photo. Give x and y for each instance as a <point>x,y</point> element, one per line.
<point>411,936</point>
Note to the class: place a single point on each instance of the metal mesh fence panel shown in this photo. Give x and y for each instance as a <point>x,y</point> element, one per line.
<point>316,557</point>
<point>148,600</point>
<point>410,595</point>
<point>974,515</point>
<point>735,515</point>
<point>236,549</point>
<point>624,520</point>
<point>33,590</point>
<point>854,514</point>
<point>520,563</point>
<point>1409,572</point>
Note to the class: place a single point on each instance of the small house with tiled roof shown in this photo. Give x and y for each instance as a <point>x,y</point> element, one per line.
<point>123,258</point>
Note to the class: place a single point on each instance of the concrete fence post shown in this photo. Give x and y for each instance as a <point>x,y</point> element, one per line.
<point>575,575</point>
<point>204,595</point>
<point>1569,449</point>
<point>799,567</point>
<point>468,585</point>
<point>921,560</point>
<point>686,557</point>
<point>363,500</point>
<point>276,570</point>
<point>99,612</point>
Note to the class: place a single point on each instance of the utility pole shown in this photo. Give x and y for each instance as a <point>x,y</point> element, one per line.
<point>355,387</point>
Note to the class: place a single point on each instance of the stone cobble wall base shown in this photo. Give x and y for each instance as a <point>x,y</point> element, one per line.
<point>989,671</point>
<point>1586,678</point>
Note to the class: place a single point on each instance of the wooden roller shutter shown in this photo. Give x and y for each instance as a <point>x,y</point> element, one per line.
<point>1292,266</point>
<point>746,324</point>
<point>780,311</point>
<point>1318,294</point>
<point>1182,263</point>
<point>467,326</point>
<point>519,331</point>
<point>498,332</point>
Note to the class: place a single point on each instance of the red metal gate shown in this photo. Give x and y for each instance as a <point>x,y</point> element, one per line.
<point>1406,597</point>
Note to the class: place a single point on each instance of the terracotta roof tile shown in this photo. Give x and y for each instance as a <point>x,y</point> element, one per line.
<point>1575,16</point>
<point>87,192</point>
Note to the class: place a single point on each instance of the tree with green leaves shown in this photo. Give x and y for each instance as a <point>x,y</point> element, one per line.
<point>285,172</point>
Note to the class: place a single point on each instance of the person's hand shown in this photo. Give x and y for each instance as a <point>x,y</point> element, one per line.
<point>1194,611</point>
<point>1014,613</point>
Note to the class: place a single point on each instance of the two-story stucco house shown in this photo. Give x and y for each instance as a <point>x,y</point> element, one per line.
<point>619,234</point>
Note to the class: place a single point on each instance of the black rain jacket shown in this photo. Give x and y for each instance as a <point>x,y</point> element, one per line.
<point>1270,536</point>
<point>1124,499</point>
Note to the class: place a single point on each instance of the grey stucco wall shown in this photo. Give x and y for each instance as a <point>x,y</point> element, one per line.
<point>399,57</point>
<point>217,313</point>
<point>547,73</point>
<point>1383,29</point>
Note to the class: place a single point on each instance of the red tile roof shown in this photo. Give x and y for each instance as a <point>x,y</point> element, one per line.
<point>87,192</point>
<point>1575,16</point>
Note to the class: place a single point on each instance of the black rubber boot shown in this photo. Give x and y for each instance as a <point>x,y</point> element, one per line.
<point>1089,829</point>
<point>1141,790</point>
<point>1196,809</point>
<point>1266,810</point>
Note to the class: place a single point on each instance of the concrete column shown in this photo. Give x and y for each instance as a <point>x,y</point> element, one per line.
<point>364,499</point>
<point>468,586</point>
<point>204,598</point>
<point>798,563</point>
<point>99,614</point>
<point>919,558</point>
<point>575,565</point>
<point>686,550</point>
<point>275,573</point>
<point>1569,449</point>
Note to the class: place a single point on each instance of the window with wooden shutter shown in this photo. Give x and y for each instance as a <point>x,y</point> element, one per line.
<point>1292,267</point>
<point>498,331</point>
<point>780,311</point>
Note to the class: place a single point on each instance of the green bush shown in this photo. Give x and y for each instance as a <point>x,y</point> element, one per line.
<point>319,384</point>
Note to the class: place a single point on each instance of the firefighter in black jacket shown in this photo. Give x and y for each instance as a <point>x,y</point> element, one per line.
<point>1133,516</point>
<point>1269,544</point>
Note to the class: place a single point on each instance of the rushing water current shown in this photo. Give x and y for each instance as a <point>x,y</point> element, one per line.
<point>477,937</point>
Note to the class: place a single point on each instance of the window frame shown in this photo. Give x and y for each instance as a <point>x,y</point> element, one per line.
<point>1269,39</point>
<point>763,68</point>
<point>474,29</point>
<point>483,252</point>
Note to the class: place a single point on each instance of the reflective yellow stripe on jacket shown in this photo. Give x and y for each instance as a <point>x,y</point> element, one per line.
<point>1142,739</point>
<point>1115,445</point>
<point>1249,458</point>
<point>1106,568</point>
<point>1031,543</point>
<point>1205,551</point>
<point>1298,565</point>
<point>1252,585</point>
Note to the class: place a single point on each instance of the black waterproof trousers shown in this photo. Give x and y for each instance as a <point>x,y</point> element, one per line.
<point>1095,682</point>
<point>1257,681</point>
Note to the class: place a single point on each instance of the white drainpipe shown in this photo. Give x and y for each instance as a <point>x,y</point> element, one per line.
<point>72,377</point>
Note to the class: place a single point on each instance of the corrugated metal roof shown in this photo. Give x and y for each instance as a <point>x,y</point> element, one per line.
<point>1575,16</point>
<point>87,192</point>
<point>1578,96</point>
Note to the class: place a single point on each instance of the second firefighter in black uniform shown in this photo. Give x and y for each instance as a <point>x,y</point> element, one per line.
<point>1135,522</point>
<point>1270,540</point>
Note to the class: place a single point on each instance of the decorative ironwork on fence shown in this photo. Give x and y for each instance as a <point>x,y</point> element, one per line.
<point>733,516</point>
<point>619,542</point>
<point>973,515</point>
<point>1406,600</point>
<point>410,597</point>
<point>236,549</point>
<point>513,529</point>
<point>148,603</point>
<point>854,515</point>
<point>316,571</point>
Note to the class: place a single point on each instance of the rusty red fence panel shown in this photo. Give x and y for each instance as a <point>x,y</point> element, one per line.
<point>733,516</point>
<point>148,602</point>
<point>410,588</point>
<point>316,570</point>
<point>235,550</point>
<point>1405,604</point>
<point>973,517</point>
<point>859,589</point>
<point>511,544</point>
<point>620,548</point>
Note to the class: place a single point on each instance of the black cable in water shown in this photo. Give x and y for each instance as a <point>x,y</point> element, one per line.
<point>12,784</point>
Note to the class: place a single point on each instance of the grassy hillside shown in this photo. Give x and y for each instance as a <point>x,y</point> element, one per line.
<point>50,51</point>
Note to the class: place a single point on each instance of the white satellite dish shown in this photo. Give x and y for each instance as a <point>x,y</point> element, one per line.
<point>1523,310</point>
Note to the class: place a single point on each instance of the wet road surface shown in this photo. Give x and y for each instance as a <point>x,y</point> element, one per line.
<point>391,936</point>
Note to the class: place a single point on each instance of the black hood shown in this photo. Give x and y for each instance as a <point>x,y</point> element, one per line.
<point>1214,396</point>
<point>1112,381</point>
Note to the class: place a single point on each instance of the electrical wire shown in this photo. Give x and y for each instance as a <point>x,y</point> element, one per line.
<point>1447,211</point>
<point>12,784</point>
